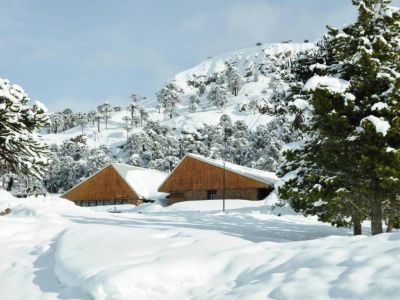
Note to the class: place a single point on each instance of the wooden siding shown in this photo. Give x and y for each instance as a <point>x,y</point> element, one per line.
<point>196,175</point>
<point>245,194</point>
<point>105,185</point>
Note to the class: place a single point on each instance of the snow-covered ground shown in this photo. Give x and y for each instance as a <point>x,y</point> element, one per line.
<point>52,249</point>
<point>115,134</point>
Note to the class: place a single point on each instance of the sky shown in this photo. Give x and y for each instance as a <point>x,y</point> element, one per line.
<point>78,54</point>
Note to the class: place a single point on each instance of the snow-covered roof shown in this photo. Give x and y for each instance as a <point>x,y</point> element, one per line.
<point>144,182</point>
<point>263,176</point>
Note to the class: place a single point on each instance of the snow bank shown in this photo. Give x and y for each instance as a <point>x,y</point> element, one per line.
<point>213,205</point>
<point>141,264</point>
<point>197,264</point>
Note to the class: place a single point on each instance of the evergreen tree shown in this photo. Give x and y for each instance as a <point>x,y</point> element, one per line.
<point>143,114</point>
<point>218,96</point>
<point>105,109</point>
<point>98,116</point>
<point>136,98</point>
<point>169,97</point>
<point>127,125</point>
<point>82,120</point>
<point>202,88</point>
<point>21,151</point>
<point>233,78</point>
<point>343,170</point>
<point>56,122</point>
<point>194,102</point>
<point>91,117</point>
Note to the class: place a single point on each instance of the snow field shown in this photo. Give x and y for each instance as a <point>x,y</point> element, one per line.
<point>52,249</point>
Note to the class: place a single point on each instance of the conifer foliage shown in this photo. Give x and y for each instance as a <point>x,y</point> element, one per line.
<point>21,151</point>
<point>346,168</point>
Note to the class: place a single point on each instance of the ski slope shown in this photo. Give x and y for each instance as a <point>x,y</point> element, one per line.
<point>52,249</point>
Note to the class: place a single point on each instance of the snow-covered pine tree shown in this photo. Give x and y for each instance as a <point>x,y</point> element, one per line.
<point>132,108</point>
<point>143,114</point>
<point>194,102</point>
<point>21,150</point>
<point>202,88</point>
<point>82,120</point>
<point>105,109</point>
<point>169,97</point>
<point>136,98</point>
<point>98,116</point>
<point>218,95</point>
<point>255,103</point>
<point>234,80</point>
<point>371,51</point>
<point>127,125</point>
<point>343,168</point>
<point>91,117</point>
<point>56,122</point>
<point>72,161</point>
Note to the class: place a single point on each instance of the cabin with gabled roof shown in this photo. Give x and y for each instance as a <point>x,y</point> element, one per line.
<point>200,178</point>
<point>118,184</point>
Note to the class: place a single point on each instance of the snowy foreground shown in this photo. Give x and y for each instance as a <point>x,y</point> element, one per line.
<point>52,249</point>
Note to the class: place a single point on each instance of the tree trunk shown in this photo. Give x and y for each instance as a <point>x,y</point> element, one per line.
<point>376,217</point>
<point>390,221</point>
<point>10,184</point>
<point>98,125</point>
<point>357,228</point>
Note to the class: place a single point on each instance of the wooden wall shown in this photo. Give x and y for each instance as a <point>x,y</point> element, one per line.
<point>193,175</point>
<point>245,194</point>
<point>105,185</point>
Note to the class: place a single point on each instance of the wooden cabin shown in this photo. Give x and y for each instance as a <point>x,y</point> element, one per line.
<point>118,184</point>
<point>200,178</point>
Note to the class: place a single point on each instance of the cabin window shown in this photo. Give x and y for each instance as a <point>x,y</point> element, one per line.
<point>121,201</point>
<point>211,194</point>
<point>177,195</point>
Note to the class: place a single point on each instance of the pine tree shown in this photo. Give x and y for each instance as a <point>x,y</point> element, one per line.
<point>82,120</point>
<point>343,168</point>
<point>57,122</point>
<point>105,109</point>
<point>202,88</point>
<point>91,117</point>
<point>169,97</point>
<point>255,103</point>
<point>218,96</point>
<point>143,114</point>
<point>136,98</point>
<point>98,116</point>
<point>127,125</point>
<point>194,102</point>
<point>21,151</point>
<point>233,78</point>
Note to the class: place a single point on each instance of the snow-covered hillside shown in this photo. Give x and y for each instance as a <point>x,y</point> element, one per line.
<point>52,249</point>
<point>258,61</point>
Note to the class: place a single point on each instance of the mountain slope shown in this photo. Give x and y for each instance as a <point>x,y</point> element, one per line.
<point>260,61</point>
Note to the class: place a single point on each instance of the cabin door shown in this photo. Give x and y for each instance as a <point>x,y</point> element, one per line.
<point>211,194</point>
